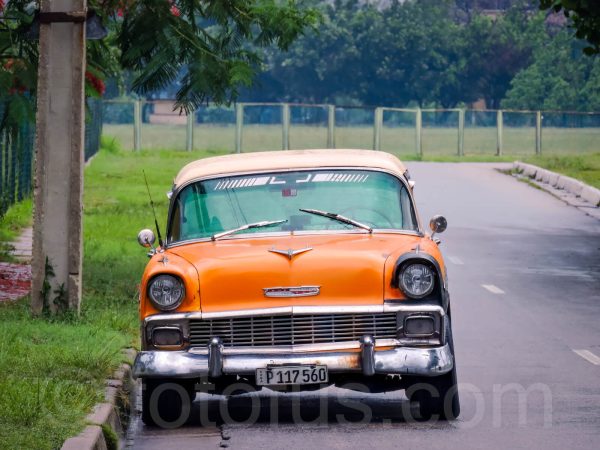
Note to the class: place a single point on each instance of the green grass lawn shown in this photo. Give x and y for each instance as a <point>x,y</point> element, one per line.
<point>583,167</point>
<point>53,370</point>
<point>573,151</point>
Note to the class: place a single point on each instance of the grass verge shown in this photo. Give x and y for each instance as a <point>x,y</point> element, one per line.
<point>585,168</point>
<point>53,369</point>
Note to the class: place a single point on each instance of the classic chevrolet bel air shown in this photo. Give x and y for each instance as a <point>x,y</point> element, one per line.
<point>293,271</point>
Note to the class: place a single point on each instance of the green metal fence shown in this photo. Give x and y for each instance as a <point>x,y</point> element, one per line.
<point>93,127</point>
<point>17,155</point>
<point>247,127</point>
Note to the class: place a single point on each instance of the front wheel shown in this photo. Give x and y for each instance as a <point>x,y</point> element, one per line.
<point>166,403</point>
<point>437,396</point>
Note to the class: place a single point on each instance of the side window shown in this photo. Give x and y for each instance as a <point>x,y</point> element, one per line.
<point>410,220</point>
<point>175,225</point>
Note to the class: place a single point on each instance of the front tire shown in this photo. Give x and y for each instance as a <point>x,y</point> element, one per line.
<point>437,396</point>
<point>166,403</point>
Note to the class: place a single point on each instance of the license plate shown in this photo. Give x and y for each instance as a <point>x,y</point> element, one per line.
<point>286,375</point>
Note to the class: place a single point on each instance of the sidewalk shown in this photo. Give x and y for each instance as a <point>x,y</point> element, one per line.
<point>15,278</point>
<point>22,245</point>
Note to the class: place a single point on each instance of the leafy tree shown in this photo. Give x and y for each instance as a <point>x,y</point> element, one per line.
<point>321,66</point>
<point>402,53</point>
<point>559,78</point>
<point>18,63</point>
<point>591,89</point>
<point>585,18</point>
<point>367,55</point>
<point>212,47</point>
<point>203,43</point>
<point>421,50</point>
<point>495,50</point>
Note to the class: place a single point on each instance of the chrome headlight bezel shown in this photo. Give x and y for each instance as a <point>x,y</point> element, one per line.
<point>427,269</point>
<point>177,283</point>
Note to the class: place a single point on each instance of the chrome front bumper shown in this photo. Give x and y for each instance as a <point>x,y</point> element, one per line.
<point>364,358</point>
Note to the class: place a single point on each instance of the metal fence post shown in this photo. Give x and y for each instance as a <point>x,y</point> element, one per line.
<point>285,126</point>
<point>538,133</point>
<point>189,132</point>
<point>239,123</point>
<point>419,131</point>
<point>461,132</point>
<point>137,125</point>
<point>499,131</point>
<point>377,125</point>
<point>330,126</point>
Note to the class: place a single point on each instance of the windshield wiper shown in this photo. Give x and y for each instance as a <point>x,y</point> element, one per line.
<point>338,217</point>
<point>265,223</point>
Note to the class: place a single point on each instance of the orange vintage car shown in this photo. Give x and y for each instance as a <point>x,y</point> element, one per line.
<point>295,270</point>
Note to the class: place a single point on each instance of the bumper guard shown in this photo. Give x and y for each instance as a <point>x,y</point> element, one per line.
<point>215,361</point>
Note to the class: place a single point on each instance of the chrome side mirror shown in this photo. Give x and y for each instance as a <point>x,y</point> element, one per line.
<point>438,224</point>
<point>146,238</point>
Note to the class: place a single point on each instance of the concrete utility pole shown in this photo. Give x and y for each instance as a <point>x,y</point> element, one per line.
<point>58,187</point>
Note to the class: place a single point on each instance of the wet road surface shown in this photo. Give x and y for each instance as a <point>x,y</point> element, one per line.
<point>524,273</point>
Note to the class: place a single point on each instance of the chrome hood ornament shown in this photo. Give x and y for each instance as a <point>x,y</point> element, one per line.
<point>292,291</point>
<point>289,252</point>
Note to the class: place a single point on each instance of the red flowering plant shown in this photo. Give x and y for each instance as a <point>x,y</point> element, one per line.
<point>94,84</point>
<point>18,66</point>
<point>19,61</point>
<point>210,47</point>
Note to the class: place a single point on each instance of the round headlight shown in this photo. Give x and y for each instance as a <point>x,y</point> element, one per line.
<point>416,280</point>
<point>166,292</point>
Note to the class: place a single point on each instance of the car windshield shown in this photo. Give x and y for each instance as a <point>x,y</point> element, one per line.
<point>208,207</point>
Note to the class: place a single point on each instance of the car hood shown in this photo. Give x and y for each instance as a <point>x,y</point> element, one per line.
<point>347,268</point>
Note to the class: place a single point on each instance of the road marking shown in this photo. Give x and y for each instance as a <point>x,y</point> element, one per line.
<point>589,356</point>
<point>455,260</point>
<point>493,289</point>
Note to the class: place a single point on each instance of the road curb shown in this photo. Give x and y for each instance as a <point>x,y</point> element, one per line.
<point>105,426</point>
<point>584,197</point>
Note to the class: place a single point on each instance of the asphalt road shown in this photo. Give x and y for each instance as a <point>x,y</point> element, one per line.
<point>524,272</point>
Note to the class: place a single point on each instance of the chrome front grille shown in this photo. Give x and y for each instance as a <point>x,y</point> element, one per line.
<point>264,331</point>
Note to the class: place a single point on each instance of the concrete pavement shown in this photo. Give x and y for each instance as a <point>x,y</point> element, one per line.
<point>22,246</point>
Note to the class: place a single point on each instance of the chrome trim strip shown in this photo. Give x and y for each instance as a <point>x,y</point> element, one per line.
<point>301,348</point>
<point>283,310</point>
<point>430,361</point>
<point>171,317</point>
<point>416,308</point>
<point>291,291</point>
